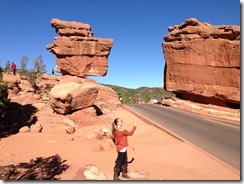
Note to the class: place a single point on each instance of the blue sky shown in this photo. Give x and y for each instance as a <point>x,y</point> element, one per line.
<point>137,27</point>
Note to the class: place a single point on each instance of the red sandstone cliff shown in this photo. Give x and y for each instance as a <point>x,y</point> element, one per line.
<point>203,62</point>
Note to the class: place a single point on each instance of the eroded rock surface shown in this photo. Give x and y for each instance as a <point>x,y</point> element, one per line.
<point>203,62</point>
<point>71,96</point>
<point>77,52</point>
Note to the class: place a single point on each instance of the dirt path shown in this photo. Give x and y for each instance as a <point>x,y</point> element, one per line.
<point>54,154</point>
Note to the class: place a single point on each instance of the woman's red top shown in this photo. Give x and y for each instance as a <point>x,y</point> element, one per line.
<point>121,138</point>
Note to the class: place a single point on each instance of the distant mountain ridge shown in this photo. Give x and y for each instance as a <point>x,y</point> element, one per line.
<point>143,94</point>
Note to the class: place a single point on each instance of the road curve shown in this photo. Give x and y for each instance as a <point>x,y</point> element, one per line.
<point>220,138</point>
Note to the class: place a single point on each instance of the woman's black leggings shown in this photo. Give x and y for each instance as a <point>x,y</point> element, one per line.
<point>121,159</point>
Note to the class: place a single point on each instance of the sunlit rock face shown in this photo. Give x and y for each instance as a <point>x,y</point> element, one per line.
<point>77,52</point>
<point>203,62</point>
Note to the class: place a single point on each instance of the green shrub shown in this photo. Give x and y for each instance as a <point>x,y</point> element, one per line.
<point>3,99</point>
<point>31,75</point>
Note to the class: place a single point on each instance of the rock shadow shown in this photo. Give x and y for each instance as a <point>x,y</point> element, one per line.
<point>16,117</point>
<point>37,169</point>
<point>98,110</point>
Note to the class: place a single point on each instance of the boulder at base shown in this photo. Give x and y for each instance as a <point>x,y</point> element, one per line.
<point>71,96</point>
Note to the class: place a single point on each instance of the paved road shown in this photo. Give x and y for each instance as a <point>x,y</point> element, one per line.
<point>221,138</point>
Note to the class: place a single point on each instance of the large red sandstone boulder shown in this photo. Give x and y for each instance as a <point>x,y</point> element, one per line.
<point>67,97</point>
<point>77,52</point>
<point>107,99</point>
<point>203,62</point>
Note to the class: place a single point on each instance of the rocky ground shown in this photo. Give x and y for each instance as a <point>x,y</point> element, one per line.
<point>59,152</point>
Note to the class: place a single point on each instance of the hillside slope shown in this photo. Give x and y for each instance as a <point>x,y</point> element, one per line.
<point>143,94</point>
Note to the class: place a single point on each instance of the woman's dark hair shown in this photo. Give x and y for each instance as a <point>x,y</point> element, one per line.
<point>114,124</point>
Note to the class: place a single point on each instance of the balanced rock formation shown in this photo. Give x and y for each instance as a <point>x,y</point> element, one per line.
<point>203,63</point>
<point>77,52</point>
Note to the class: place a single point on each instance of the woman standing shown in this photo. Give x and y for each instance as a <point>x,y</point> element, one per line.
<point>119,137</point>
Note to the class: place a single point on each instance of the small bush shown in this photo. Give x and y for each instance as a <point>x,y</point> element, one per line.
<point>3,99</point>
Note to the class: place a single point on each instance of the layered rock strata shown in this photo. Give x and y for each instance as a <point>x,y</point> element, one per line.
<point>203,62</point>
<point>77,52</point>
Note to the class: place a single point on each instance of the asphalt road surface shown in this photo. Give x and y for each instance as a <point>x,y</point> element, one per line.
<point>218,137</point>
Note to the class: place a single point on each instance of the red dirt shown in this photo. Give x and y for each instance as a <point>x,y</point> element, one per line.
<point>158,155</point>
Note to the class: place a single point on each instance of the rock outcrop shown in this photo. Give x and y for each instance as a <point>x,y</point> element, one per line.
<point>106,99</point>
<point>203,63</point>
<point>68,97</point>
<point>77,52</point>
